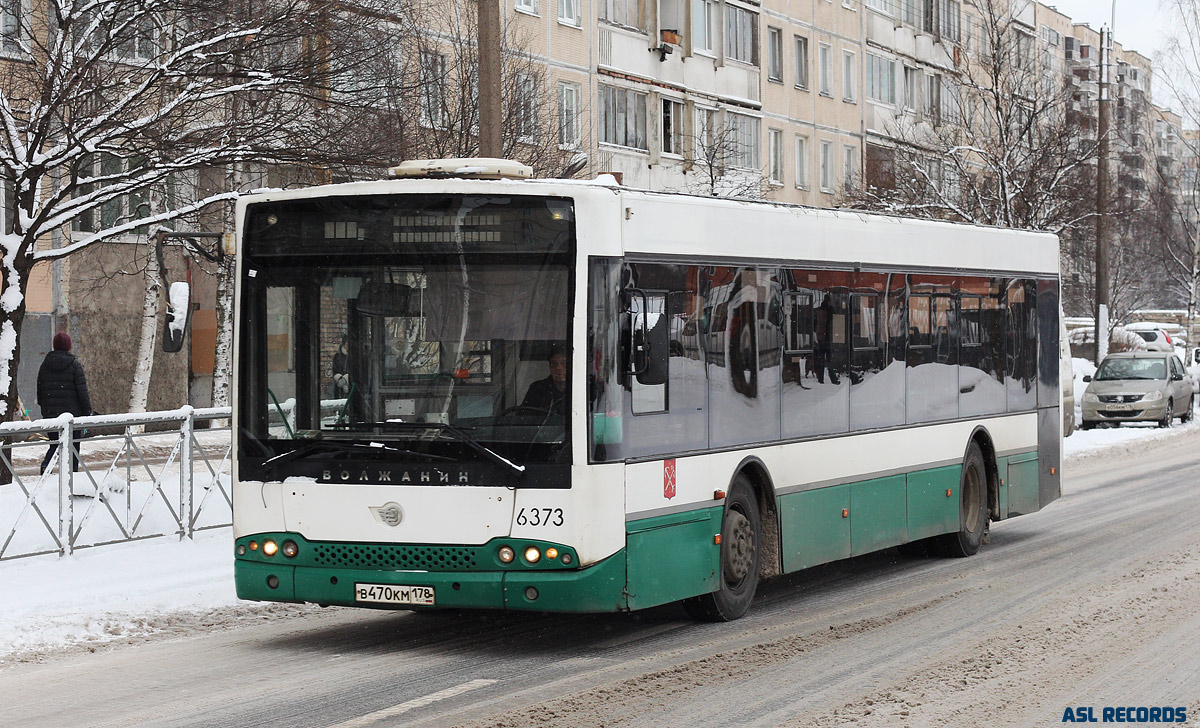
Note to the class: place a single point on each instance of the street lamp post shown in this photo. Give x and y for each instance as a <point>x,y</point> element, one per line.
<point>1102,206</point>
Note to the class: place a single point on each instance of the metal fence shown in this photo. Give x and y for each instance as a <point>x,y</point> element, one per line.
<point>136,476</point>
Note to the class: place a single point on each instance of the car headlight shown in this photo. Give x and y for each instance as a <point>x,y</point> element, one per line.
<point>1090,397</point>
<point>1152,396</point>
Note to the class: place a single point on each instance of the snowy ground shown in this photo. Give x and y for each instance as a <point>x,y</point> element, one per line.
<point>127,592</point>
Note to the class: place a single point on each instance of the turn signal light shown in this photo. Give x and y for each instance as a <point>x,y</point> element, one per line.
<point>270,548</point>
<point>949,492</point>
<point>254,545</point>
<point>552,553</point>
<point>506,554</point>
<point>845,513</point>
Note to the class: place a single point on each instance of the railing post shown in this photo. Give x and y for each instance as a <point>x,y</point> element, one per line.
<point>185,471</point>
<point>66,484</point>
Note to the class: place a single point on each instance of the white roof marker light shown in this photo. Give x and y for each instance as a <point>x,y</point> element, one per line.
<point>472,168</point>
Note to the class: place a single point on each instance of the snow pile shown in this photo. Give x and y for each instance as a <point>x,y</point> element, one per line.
<point>102,594</point>
<point>178,298</point>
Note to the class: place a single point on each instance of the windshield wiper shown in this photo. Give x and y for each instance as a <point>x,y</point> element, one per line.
<point>345,447</point>
<point>458,434</point>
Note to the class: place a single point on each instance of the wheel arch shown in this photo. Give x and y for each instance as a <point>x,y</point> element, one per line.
<point>756,471</point>
<point>983,439</point>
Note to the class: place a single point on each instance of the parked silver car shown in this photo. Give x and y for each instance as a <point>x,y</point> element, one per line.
<point>1138,386</point>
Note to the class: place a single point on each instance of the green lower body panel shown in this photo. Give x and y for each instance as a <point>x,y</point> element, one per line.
<point>599,587</point>
<point>933,502</point>
<point>815,526</point>
<point>1020,475</point>
<point>673,557</point>
<point>878,514</point>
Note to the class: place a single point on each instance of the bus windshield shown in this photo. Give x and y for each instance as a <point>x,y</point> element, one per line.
<point>431,327</point>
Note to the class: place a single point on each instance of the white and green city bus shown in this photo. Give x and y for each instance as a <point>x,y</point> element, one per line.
<point>742,389</point>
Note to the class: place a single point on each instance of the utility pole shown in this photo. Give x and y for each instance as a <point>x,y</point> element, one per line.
<point>1102,202</point>
<point>490,142</point>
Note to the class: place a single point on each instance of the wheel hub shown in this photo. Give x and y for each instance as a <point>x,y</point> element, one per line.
<point>739,547</point>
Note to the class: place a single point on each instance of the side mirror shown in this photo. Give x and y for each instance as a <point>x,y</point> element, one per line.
<point>179,317</point>
<point>1087,377</point>
<point>648,337</point>
<point>1176,377</point>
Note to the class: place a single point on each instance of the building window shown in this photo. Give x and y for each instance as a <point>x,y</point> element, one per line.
<point>433,90</point>
<point>849,73</point>
<point>914,12</point>
<point>740,35</point>
<point>827,166</point>
<point>704,139</point>
<point>704,28</point>
<point>14,25</point>
<point>801,62</point>
<point>743,138</point>
<point>527,6</point>
<point>775,149</point>
<point>672,127</point>
<point>569,97</point>
<point>881,79</point>
<point>933,97</point>
<point>914,80</point>
<point>568,11</point>
<point>1023,50</point>
<point>825,69</point>
<point>949,11</point>
<point>177,190</point>
<point>525,107</point>
<point>622,117</point>
<point>883,6</point>
<point>849,166</point>
<point>622,12</point>
<point>775,54</point>
<point>801,162</point>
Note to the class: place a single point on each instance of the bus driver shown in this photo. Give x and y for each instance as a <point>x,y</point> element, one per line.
<point>550,394</point>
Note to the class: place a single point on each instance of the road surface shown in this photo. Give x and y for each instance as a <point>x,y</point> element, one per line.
<point>1094,602</point>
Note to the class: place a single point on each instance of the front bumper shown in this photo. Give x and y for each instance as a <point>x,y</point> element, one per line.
<point>480,584</point>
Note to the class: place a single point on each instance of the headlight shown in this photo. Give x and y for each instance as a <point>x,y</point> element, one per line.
<point>1090,397</point>
<point>1152,396</point>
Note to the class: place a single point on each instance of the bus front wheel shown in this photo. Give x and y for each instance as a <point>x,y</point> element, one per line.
<point>741,534</point>
<point>973,509</point>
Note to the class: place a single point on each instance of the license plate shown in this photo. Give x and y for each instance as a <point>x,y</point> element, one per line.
<point>1120,407</point>
<point>394,594</point>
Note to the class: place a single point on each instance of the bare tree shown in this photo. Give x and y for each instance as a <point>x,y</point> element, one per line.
<point>430,105</point>
<point>1180,72</point>
<point>720,162</point>
<point>994,143</point>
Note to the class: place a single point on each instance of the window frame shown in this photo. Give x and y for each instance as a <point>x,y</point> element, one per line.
<point>570,127</point>
<point>803,178</point>
<point>849,75</point>
<point>678,111</point>
<point>826,166</point>
<point>741,35</point>
<point>639,97</point>
<point>573,17</point>
<point>800,46</point>
<point>824,69</point>
<point>776,167</point>
<point>774,54</point>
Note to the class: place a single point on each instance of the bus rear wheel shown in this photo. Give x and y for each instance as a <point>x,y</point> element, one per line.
<point>973,509</point>
<point>741,535</point>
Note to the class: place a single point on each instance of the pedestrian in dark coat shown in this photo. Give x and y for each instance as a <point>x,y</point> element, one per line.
<point>62,387</point>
